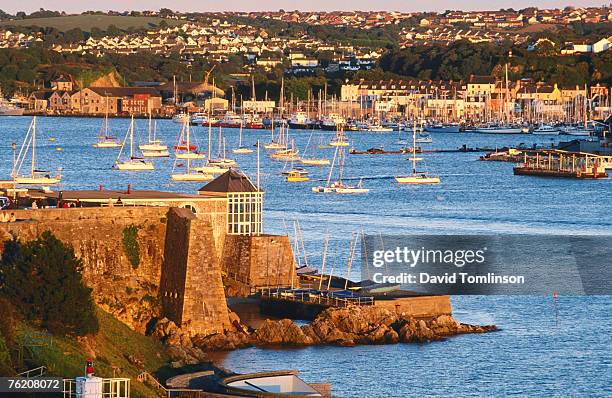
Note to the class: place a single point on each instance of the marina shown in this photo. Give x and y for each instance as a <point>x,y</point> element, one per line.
<point>472,197</point>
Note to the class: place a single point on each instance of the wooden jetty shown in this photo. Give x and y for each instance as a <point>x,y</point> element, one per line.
<point>307,303</point>
<point>556,163</point>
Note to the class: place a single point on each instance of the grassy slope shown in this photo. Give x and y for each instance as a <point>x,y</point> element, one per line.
<point>66,357</point>
<point>86,22</point>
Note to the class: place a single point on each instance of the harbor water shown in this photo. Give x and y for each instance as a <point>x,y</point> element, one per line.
<point>541,350</point>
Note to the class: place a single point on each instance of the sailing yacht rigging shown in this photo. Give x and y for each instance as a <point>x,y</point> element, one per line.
<point>185,149</point>
<point>104,139</point>
<point>416,177</point>
<point>35,176</point>
<point>154,148</point>
<point>241,149</point>
<point>313,161</point>
<point>339,186</point>
<point>191,173</point>
<point>133,163</point>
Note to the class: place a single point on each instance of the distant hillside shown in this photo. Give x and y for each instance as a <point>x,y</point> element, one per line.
<point>87,22</point>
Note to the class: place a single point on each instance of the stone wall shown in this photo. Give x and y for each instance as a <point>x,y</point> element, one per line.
<point>179,273</point>
<point>96,235</point>
<point>419,307</point>
<point>258,261</point>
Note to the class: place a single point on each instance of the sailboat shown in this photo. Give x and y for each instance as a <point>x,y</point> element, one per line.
<point>340,138</point>
<point>212,167</point>
<point>185,149</point>
<point>154,148</point>
<point>221,159</point>
<point>338,186</point>
<point>274,144</point>
<point>191,173</point>
<point>313,161</point>
<point>416,177</point>
<point>241,150</point>
<point>36,176</point>
<point>104,139</point>
<point>132,163</point>
<point>288,155</point>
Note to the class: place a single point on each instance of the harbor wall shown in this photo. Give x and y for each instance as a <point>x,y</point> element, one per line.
<point>259,261</point>
<point>180,265</point>
<point>419,306</point>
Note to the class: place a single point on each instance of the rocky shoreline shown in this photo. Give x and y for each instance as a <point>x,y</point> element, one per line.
<point>334,326</point>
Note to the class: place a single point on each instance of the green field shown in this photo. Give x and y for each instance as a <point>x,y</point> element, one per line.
<point>87,22</point>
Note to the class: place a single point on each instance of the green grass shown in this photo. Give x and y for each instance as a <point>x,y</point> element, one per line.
<point>65,357</point>
<point>87,22</point>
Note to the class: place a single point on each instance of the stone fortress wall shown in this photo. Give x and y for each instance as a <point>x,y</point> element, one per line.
<point>183,259</point>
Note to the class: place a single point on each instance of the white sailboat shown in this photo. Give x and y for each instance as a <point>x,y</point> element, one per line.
<point>340,138</point>
<point>185,147</point>
<point>416,177</point>
<point>133,163</point>
<point>241,150</point>
<point>211,167</point>
<point>276,144</point>
<point>313,161</point>
<point>339,186</point>
<point>221,159</point>
<point>104,139</point>
<point>35,176</point>
<point>154,148</point>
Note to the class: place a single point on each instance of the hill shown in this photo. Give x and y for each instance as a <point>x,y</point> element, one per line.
<point>87,22</point>
<point>116,349</point>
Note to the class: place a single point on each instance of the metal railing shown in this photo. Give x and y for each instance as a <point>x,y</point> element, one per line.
<point>326,298</point>
<point>36,372</point>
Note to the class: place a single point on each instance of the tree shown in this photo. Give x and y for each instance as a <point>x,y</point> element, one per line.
<point>43,278</point>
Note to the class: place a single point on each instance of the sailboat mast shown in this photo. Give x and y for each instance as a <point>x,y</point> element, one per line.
<point>34,146</point>
<point>132,138</point>
<point>414,130</point>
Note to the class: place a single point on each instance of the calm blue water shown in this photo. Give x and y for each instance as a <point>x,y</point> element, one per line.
<point>536,353</point>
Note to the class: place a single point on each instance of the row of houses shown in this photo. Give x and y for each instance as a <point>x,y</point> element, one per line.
<point>98,101</point>
<point>10,39</point>
<point>476,98</point>
<point>504,19</point>
<point>410,37</point>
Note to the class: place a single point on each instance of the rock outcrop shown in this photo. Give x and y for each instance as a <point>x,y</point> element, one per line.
<point>337,326</point>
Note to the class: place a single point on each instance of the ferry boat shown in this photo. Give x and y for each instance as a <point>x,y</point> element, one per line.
<point>377,128</point>
<point>498,129</point>
<point>545,129</point>
<point>231,120</point>
<point>180,118</point>
<point>253,122</point>
<point>301,121</point>
<point>332,122</point>
<point>443,128</point>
